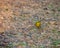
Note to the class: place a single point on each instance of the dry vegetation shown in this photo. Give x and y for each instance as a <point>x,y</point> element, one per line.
<point>17,23</point>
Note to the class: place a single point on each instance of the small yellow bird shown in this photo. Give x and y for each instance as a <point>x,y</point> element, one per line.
<point>38,24</point>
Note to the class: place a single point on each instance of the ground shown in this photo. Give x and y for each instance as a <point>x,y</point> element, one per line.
<point>17,23</point>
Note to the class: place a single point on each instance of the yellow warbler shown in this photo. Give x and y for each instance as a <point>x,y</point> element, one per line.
<point>38,24</point>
